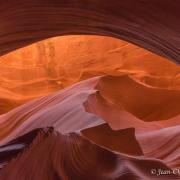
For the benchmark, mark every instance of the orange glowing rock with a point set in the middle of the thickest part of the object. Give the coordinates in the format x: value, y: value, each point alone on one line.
x: 56, y: 63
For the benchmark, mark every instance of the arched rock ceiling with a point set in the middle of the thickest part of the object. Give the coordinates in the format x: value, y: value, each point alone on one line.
x: 152, y: 24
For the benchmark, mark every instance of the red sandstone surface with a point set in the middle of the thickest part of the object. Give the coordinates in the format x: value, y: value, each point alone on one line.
x: 122, y: 99
x: 54, y: 64
x: 89, y: 107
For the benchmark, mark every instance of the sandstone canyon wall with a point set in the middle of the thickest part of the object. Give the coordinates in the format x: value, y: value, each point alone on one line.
x: 82, y: 107
x: 56, y: 63
x: 153, y: 25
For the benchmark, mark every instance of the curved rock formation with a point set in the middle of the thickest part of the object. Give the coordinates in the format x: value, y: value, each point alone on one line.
x: 102, y: 113
x: 66, y: 158
x: 153, y: 25
x: 83, y: 108
x: 54, y: 64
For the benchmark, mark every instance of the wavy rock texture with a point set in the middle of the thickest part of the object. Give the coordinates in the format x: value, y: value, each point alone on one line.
x: 83, y: 108
x: 54, y: 64
x: 153, y: 24
x: 92, y: 107
x: 66, y: 158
